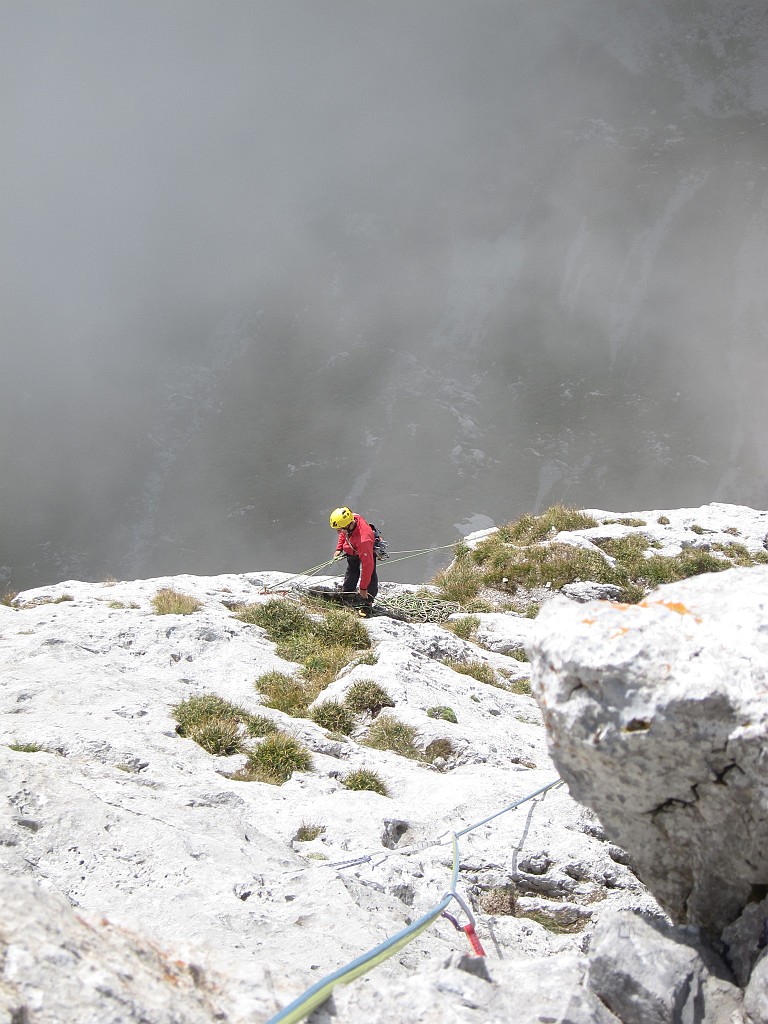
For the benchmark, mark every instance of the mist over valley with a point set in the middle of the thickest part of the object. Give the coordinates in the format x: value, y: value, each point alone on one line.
x: 444, y: 262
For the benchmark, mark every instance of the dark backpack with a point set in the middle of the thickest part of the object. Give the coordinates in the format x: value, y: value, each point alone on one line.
x: 379, y: 544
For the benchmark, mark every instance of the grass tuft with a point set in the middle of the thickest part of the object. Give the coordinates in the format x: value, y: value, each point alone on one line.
x: 216, y: 725
x: 365, y: 779
x: 275, y: 760
x: 219, y: 736
x: 519, y: 654
x: 529, y: 528
x: 519, y: 686
x: 367, y: 695
x: 460, y: 581
x: 171, y: 602
x: 285, y: 693
x: 479, y: 670
x: 465, y: 627
x: 389, y: 733
x: 334, y: 716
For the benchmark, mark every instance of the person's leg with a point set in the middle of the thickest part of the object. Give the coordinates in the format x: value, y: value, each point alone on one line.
x: 351, y: 578
x: 373, y: 586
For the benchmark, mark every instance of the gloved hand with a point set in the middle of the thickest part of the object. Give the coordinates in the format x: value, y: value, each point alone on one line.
x: 364, y: 593
x: 337, y: 555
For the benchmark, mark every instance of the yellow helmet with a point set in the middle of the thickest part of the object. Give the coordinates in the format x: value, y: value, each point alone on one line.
x: 341, y: 518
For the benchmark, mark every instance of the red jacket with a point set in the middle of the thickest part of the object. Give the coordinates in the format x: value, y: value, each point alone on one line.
x: 359, y: 542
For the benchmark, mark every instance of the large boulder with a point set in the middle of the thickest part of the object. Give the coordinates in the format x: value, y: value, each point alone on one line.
x: 657, y: 719
x: 650, y: 972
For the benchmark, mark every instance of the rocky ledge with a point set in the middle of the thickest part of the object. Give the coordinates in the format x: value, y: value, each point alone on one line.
x: 146, y: 878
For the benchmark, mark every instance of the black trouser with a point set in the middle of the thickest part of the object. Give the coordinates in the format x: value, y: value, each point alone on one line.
x: 352, y: 576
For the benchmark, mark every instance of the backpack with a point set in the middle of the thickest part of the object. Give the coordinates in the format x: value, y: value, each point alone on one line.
x: 379, y: 544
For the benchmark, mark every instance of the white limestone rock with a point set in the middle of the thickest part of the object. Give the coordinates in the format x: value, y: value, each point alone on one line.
x: 58, y: 966
x: 127, y: 820
x: 657, y: 719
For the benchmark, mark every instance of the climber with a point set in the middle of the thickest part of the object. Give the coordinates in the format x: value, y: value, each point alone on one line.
x: 356, y: 541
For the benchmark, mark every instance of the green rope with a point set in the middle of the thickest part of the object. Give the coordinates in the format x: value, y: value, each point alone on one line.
x: 418, y: 608
x: 307, y: 572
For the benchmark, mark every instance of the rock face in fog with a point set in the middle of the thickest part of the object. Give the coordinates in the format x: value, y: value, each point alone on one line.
x: 657, y: 717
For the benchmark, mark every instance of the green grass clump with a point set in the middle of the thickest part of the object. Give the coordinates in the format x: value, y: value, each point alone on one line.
x: 340, y: 628
x: 443, y: 713
x: 660, y: 569
x: 465, y: 627
x: 285, y: 693
x: 194, y: 711
x: 334, y: 716
x: 275, y: 759
x: 171, y: 602
x: 740, y: 555
x: 219, y: 736
x: 259, y: 725
x: 529, y: 528
x: 460, y: 581
x: 389, y: 733
x: 365, y: 779
x: 8, y: 597
x: 479, y: 670
x: 322, y: 666
x: 323, y: 646
x: 26, y: 748
x: 367, y: 695
x: 508, y: 567
x: 216, y: 725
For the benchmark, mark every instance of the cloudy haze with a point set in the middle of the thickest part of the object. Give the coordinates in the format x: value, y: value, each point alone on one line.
x: 442, y: 260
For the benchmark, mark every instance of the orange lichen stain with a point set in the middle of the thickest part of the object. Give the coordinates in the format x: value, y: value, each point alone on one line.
x: 674, y: 606
x: 620, y: 606
x: 588, y: 622
x: 619, y: 632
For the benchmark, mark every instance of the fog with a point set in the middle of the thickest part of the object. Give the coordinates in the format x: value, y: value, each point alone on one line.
x: 446, y: 261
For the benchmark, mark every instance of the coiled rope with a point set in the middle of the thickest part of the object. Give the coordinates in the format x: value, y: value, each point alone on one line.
x: 321, y: 990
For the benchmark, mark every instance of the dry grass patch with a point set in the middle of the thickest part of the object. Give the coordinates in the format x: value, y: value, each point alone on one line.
x: 479, y: 670
x: 171, y: 602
